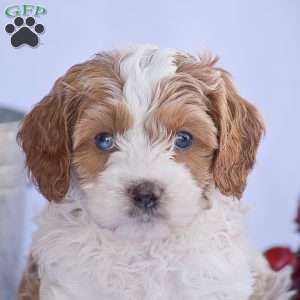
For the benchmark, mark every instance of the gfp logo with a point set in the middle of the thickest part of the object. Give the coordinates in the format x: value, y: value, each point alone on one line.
x: 24, y: 29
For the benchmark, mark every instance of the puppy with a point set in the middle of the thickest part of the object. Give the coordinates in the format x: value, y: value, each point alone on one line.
x: 144, y: 154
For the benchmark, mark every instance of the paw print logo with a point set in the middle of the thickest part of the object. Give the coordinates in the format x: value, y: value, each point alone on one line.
x: 24, y: 32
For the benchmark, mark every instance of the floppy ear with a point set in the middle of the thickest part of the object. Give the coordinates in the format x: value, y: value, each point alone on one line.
x: 239, y: 125
x: 45, y: 137
x: 240, y: 129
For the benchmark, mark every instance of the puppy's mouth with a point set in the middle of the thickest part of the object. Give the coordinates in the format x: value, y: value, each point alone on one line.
x: 148, y: 215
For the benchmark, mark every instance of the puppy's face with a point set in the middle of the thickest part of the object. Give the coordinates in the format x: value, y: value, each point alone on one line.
x: 146, y: 133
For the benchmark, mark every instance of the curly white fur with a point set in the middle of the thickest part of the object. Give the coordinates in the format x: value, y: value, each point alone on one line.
x: 210, y: 259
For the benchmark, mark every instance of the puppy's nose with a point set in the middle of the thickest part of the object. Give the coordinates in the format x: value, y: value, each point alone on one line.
x: 145, y: 194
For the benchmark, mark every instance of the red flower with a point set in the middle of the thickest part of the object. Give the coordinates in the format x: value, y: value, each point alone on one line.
x: 279, y: 257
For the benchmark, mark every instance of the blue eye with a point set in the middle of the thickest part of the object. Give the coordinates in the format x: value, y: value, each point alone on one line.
x: 183, y: 140
x: 105, y: 141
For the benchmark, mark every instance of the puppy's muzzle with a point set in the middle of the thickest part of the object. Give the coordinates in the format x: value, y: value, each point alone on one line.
x: 145, y: 194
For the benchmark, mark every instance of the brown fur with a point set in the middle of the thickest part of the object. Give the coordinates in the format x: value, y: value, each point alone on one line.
x: 239, y: 125
x: 46, y: 132
x: 111, y: 117
x: 30, y: 284
x: 181, y: 106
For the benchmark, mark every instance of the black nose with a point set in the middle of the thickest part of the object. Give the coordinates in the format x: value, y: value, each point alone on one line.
x: 145, y: 195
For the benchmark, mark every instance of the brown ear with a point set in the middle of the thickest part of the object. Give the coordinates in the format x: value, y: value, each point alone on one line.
x: 46, y: 141
x: 239, y: 125
x: 240, y: 129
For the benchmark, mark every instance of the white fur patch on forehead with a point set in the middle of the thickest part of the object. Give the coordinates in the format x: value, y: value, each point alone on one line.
x: 141, y: 69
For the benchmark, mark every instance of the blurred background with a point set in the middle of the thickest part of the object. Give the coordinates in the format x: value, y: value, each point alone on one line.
x: 257, y: 41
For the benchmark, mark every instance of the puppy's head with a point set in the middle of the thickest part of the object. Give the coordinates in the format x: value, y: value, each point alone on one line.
x: 146, y: 133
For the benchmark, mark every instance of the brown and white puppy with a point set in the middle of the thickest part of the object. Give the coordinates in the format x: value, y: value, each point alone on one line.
x: 143, y: 154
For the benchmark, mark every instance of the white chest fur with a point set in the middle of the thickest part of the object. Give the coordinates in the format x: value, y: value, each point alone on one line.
x: 208, y: 260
